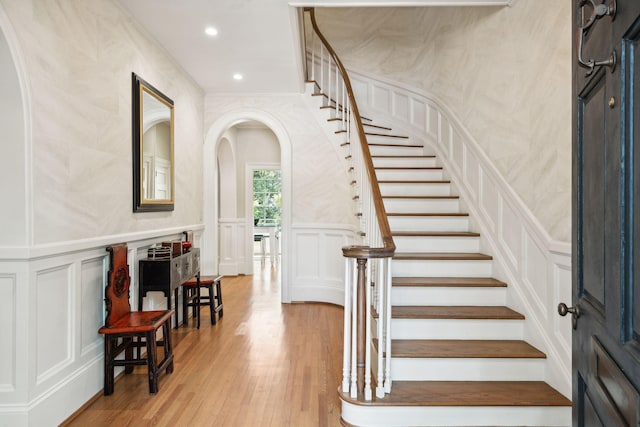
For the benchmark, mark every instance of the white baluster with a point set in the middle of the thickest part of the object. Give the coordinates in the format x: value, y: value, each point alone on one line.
x: 380, y: 307
x: 313, y: 58
x: 321, y: 67
x: 367, y: 349
x: 387, y: 327
x: 346, y: 372
x: 354, y: 332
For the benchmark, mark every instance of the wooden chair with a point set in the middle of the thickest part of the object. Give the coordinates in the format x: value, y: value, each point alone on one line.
x: 125, y: 330
x: 193, y: 297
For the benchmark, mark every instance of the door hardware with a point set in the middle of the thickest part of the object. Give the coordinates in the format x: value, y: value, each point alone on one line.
x: 575, y: 313
x: 598, y: 11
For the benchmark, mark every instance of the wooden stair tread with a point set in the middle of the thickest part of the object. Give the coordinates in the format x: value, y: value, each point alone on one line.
x: 510, y: 349
x: 435, y: 234
x: 441, y: 181
x: 386, y: 135
x: 467, y: 393
x: 404, y: 157
x: 427, y: 214
x: 477, y: 282
x: 442, y: 256
x: 376, y: 126
x: 411, y: 168
x: 421, y: 197
x: 455, y: 312
x: 374, y: 144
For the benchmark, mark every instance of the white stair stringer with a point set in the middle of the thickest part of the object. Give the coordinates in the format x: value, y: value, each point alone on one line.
x: 448, y: 416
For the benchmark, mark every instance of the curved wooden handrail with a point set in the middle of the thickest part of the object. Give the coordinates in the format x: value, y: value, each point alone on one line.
x: 389, y: 246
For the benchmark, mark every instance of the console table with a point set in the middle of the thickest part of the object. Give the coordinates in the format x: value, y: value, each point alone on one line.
x: 166, y: 275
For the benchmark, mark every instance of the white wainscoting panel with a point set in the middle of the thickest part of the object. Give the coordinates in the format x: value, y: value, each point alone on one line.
x: 537, y: 268
x: 235, y: 247
x: 92, y: 277
x: 53, y: 316
x: 318, y: 272
x: 51, y: 306
x: 7, y: 332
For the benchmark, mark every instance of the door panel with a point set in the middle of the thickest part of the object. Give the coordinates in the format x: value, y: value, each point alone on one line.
x: 606, y: 235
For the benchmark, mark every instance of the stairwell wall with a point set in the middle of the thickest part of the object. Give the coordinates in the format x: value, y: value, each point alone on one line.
x: 505, y: 72
x: 536, y: 267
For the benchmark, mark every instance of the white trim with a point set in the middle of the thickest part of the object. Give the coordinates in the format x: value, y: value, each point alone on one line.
x: 210, y: 237
x: 23, y: 77
x: 402, y: 3
x: 52, y: 249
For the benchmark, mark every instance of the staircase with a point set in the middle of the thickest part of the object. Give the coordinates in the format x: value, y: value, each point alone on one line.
x: 458, y: 358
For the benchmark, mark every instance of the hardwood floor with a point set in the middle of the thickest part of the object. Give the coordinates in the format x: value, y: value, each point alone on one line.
x: 264, y: 364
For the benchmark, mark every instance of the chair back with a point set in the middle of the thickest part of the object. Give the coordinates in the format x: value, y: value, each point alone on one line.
x: 116, y: 293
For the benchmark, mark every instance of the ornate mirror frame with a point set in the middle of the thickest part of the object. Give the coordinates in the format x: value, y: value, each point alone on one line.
x: 153, y: 175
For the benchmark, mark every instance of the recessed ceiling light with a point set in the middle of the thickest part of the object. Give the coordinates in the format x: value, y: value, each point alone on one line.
x: 237, y: 76
x: 210, y: 31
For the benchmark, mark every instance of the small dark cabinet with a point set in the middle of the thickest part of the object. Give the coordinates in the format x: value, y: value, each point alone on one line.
x: 166, y: 275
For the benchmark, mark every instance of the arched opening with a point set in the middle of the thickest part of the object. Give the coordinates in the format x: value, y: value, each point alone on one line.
x: 219, y: 149
x: 14, y: 151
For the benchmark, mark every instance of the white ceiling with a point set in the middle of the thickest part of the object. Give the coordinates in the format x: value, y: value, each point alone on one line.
x: 257, y: 38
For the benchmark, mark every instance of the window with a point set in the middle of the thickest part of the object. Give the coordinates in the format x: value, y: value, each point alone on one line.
x: 267, y: 197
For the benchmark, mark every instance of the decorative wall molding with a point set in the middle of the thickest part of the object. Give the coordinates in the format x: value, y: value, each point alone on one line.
x: 537, y: 268
x: 51, y: 306
x: 318, y: 266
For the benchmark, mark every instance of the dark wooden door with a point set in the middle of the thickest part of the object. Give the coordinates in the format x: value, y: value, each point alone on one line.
x: 606, y: 214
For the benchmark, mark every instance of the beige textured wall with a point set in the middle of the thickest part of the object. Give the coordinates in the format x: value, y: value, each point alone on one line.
x: 505, y: 72
x: 79, y: 55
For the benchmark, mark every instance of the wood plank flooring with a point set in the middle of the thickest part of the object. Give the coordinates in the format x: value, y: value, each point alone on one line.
x: 263, y: 364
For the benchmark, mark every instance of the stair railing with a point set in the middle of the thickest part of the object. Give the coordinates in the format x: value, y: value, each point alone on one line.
x: 367, y: 266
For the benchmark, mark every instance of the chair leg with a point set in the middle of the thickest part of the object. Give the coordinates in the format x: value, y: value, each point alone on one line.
x: 211, y: 301
x: 151, y: 362
x: 219, y: 298
x: 108, y: 366
x: 128, y: 354
x: 168, y: 347
x: 196, y: 306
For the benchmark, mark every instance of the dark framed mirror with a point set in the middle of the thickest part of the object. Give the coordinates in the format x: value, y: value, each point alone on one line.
x: 153, y: 162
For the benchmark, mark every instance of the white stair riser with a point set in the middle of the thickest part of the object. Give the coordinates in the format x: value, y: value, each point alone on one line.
x: 456, y: 329
x: 377, y: 139
x: 405, y: 162
x: 409, y: 174
x: 472, y: 369
x: 429, y: 223
x: 426, y: 416
x: 422, y: 205
x: 415, y: 189
x: 440, y: 268
x: 436, y: 244
x: 432, y: 295
x: 377, y: 150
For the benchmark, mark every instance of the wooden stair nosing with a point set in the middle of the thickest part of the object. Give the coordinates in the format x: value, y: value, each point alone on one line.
x: 441, y: 181
x: 423, y: 197
x: 404, y: 157
x: 463, y: 349
x: 453, y: 282
x: 375, y: 144
x: 427, y: 214
x: 411, y: 168
x: 435, y: 234
x: 441, y: 256
x: 386, y: 135
x: 467, y: 393
x: 376, y: 126
x: 460, y: 312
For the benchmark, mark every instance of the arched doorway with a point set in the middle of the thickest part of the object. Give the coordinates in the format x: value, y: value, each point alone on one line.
x: 210, y: 239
